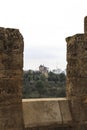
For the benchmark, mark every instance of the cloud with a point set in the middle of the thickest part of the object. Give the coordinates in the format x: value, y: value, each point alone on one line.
x: 44, y: 25
x: 50, y: 57
x: 44, y: 52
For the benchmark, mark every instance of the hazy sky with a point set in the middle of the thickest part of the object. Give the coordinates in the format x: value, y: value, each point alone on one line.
x: 44, y: 24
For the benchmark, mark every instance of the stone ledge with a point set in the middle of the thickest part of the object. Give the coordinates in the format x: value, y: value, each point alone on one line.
x: 46, y: 112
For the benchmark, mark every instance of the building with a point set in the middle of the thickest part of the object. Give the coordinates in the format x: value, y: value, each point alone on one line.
x: 44, y: 70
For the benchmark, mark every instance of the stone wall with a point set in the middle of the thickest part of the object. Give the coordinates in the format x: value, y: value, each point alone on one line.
x: 11, y: 64
x: 51, y: 128
x: 47, y: 114
x: 77, y: 78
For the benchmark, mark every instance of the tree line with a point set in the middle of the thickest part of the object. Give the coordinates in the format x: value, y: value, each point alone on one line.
x: 37, y: 85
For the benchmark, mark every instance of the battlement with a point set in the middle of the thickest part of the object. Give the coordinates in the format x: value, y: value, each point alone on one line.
x: 68, y: 113
x: 85, y: 24
x: 47, y: 113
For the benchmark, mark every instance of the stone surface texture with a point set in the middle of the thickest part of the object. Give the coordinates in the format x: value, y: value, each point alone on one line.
x: 11, y: 64
x: 77, y: 77
x: 46, y: 113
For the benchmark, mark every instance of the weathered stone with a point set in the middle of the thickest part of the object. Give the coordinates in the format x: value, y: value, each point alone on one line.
x: 76, y: 87
x: 78, y: 111
x: 16, y: 73
x: 46, y: 112
x: 11, y: 64
x: 65, y: 111
x: 85, y: 24
x: 77, y: 77
x: 11, y: 117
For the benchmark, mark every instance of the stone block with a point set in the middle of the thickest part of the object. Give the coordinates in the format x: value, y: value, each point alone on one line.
x: 77, y: 78
x: 48, y: 112
x: 11, y: 61
x: 11, y: 64
x: 18, y: 73
x: 41, y: 113
x: 76, y: 87
x: 10, y: 85
x: 78, y: 110
x: 65, y: 111
x: 9, y: 117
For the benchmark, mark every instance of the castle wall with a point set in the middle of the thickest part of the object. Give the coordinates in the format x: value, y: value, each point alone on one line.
x: 11, y: 64
x: 76, y: 88
x: 47, y: 114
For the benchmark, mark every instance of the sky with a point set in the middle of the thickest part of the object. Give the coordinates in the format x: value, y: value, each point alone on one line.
x: 44, y: 25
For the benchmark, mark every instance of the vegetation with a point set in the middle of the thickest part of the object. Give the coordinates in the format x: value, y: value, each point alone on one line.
x: 36, y: 85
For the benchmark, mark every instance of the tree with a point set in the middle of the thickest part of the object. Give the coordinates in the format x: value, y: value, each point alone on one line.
x: 40, y: 87
x: 52, y: 77
x: 62, y: 77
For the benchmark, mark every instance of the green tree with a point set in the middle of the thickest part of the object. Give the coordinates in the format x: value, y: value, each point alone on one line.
x: 62, y: 77
x: 40, y: 87
x: 52, y: 77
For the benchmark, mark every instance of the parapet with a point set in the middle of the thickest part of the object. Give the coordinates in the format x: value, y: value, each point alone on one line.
x: 40, y: 113
x: 76, y: 88
x: 11, y: 73
x: 85, y: 24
